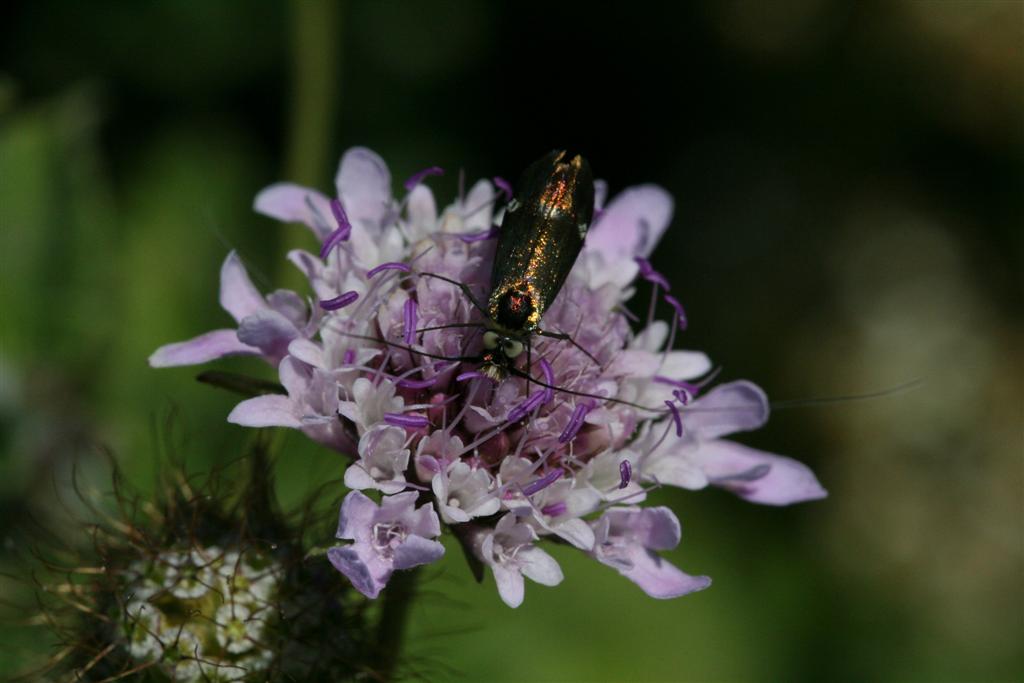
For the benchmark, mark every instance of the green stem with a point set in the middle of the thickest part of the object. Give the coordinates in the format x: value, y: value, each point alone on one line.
x: 398, y: 598
x: 316, y: 59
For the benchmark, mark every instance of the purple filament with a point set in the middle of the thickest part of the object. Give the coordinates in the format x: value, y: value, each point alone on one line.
x: 625, y: 473
x: 400, y: 420
x: 468, y: 376
x: 680, y: 313
x: 648, y: 273
x: 409, y: 383
x: 390, y: 265
x: 341, y: 234
x: 575, y: 424
x: 504, y: 186
x: 554, y: 509
x: 417, y: 178
x: 549, y: 379
x: 471, y: 237
x: 520, y: 411
x: 676, y: 417
x: 339, y: 301
x: 410, y: 321
x: 542, y: 483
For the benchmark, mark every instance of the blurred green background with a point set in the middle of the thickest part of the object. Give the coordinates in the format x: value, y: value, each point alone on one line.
x: 848, y: 179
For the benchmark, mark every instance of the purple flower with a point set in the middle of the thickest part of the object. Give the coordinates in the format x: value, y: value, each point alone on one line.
x: 265, y: 325
x: 509, y: 550
x: 380, y: 361
x: 626, y: 538
x: 394, y: 535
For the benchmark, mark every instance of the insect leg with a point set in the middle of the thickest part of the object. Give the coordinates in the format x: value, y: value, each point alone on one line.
x: 565, y: 337
x: 461, y: 285
x: 445, y: 327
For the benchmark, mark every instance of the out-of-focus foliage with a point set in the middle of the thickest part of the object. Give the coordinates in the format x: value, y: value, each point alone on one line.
x: 848, y: 180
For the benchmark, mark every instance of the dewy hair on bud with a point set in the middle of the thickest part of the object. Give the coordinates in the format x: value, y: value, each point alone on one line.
x: 551, y: 416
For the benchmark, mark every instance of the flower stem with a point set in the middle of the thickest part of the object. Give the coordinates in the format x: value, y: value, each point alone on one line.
x: 398, y: 599
x: 316, y: 35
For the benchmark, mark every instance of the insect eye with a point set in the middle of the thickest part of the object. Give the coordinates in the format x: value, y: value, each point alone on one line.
x: 490, y: 340
x: 512, y: 347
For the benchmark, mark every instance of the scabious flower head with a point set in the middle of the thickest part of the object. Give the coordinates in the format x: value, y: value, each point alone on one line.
x: 209, y: 584
x: 381, y: 364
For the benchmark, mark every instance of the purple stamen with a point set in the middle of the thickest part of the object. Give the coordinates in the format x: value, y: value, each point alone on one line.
x: 471, y: 237
x: 625, y: 473
x: 542, y: 483
x: 682, y: 396
x: 575, y: 424
x: 410, y: 383
x: 417, y: 178
x: 390, y: 265
x: 468, y: 376
x: 400, y: 420
x: 341, y: 234
x: 676, y: 417
x: 554, y: 509
x: 648, y: 273
x: 410, y: 321
x: 680, y: 313
x: 549, y: 379
x: 504, y: 186
x: 520, y: 411
x: 339, y: 301
x: 349, y: 357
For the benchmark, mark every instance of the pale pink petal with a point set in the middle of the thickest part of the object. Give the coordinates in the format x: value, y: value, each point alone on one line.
x: 510, y: 584
x: 685, y: 365
x: 347, y: 561
x: 576, y: 532
x: 674, y: 470
x: 357, y: 514
x: 728, y: 408
x: 658, y: 528
x: 269, y: 331
x: 540, y: 567
x: 416, y: 550
x: 422, y: 207
x: 294, y: 376
x: 364, y: 185
x: 631, y: 224
x: 296, y: 204
x: 635, y: 363
x: 309, y: 352
x: 309, y: 265
x: 201, y: 349
x: 357, y: 478
x: 758, y: 476
x: 478, y: 201
x: 265, y: 411
x: 659, y: 578
x: 238, y: 295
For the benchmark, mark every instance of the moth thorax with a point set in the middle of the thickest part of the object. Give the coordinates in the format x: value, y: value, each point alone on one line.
x: 515, y: 309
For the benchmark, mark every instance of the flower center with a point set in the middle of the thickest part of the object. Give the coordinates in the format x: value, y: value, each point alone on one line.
x: 387, y: 537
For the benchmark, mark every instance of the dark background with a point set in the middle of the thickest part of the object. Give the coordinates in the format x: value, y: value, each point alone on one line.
x: 848, y: 184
